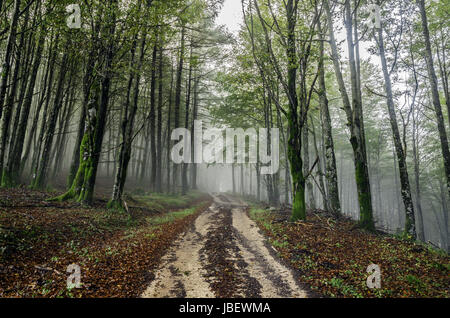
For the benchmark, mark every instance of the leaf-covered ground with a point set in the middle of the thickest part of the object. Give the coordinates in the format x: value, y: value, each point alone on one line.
x: 115, y: 251
x: 332, y: 255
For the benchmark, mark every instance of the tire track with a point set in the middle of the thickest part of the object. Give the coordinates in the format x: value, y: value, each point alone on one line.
x: 223, y: 254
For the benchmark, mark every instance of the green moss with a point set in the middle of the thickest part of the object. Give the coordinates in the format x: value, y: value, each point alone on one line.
x: 298, y: 182
x: 299, y: 205
x: 364, y: 198
x: 116, y: 205
x: 80, y: 190
x: 9, y: 180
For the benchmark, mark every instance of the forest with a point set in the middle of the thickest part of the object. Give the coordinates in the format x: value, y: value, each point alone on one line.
x: 350, y: 99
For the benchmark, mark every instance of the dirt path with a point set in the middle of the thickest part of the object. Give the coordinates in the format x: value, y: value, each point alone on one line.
x: 223, y: 254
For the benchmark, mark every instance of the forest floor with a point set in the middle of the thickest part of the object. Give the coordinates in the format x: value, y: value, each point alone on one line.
x: 190, y: 246
x: 332, y: 256
x: 116, y: 251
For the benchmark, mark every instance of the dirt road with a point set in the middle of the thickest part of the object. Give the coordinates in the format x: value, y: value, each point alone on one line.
x: 223, y: 254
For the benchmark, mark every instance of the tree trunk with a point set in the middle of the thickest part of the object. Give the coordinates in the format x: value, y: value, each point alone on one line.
x: 12, y: 172
x: 194, y: 118
x: 84, y: 182
x: 152, y: 120
x: 319, y: 168
x: 294, y: 140
x: 6, y: 67
x: 178, y: 99
x: 233, y: 178
x: 8, y: 108
x: 38, y: 148
x: 169, y: 117
x: 186, y: 125
x: 354, y: 119
x: 420, y: 221
x: 330, y: 157
x: 64, y: 126
x: 444, y: 74
x: 435, y: 93
x: 410, y: 226
x: 126, y: 129
x: 306, y: 166
x: 159, y: 123
x: 41, y: 173
x: 42, y: 98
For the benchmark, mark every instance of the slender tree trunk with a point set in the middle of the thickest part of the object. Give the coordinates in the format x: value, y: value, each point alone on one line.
x: 24, y: 78
x: 38, y: 148
x: 242, y: 180
x: 12, y: 174
x: 62, y: 137
x: 159, y: 123
x: 169, y: 117
x: 250, y: 181
x: 87, y: 82
x: 178, y: 99
x: 420, y: 222
x: 186, y: 125
x: 294, y: 141
x: 330, y: 157
x: 306, y: 166
x: 444, y: 199
x: 444, y: 74
x: 6, y: 67
x: 48, y: 76
x: 435, y: 93
x: 258, y: 181
x: 90, y: 150
x: 233, y: 178
x: 194, y: 118
x: 8, y: 109
x: 319, y: 168
x: 152, y: 119
x: 410, y: 226
x: 41, y: 173
x: 126, y: 131
x: 354, y: 118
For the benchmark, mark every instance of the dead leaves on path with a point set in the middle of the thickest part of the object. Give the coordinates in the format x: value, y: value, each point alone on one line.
x: 226, y: 269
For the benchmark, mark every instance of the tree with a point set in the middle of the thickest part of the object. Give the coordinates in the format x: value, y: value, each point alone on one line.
x: 354, y: 116
x: 330, y: 157
x: 434, y: 92
x: 410, y: 226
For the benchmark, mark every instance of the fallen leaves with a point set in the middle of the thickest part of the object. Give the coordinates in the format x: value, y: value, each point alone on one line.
x: 225, y: 266
x: 116, y: 251
x: 332, y: 255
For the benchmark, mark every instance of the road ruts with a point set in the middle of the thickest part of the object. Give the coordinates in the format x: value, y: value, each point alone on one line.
x: 223, y: 254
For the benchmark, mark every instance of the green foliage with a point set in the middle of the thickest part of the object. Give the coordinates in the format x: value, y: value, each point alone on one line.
x: 159, y: 201
x: 170, y: 217
x: 346, y: 290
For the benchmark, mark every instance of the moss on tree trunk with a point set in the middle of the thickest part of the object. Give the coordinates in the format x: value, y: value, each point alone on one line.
x: 298, y: 179
x: 364, y: 197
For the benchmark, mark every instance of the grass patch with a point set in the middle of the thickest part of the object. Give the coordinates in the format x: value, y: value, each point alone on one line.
x: 162, y: 201
x: 170, y: 217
